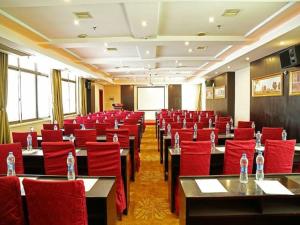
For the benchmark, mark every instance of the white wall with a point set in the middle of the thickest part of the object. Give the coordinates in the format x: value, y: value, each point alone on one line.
x: 242, y: 95
x: 190, y: 96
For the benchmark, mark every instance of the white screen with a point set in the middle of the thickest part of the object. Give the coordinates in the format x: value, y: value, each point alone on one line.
x: 151, y: 98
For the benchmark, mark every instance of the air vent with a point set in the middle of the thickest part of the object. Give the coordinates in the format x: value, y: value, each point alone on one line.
x: 83, y: 15
x: 82, y: 35
x: 201, y: 34
x: 201, y: 48
x: 111, y: 49
x: 231, y: 12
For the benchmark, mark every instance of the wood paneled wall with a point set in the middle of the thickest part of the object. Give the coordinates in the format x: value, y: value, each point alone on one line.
x: 277, y: 111
x: 224, y: 106
x: 127, y: 97
x: 174, y: 96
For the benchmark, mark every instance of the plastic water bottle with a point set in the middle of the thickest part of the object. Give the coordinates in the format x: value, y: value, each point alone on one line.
x: 115, y: 138
x: 55, y: 122
x: 210, y: 123
x: 199, y: 118
x: 212, y: 140
x: 284, y: 135
x: 176, y: 141
x: 227, y: 128
x: 253, y: 125
x: 258, y: 139
x: 11, y: 164
x: 74, y: 121
x: 70, y: 164
x: 55, y: 127
x: 72, y: 138
x: 206, y: 115
x: 184, y: 123
x: 82, y: 127
x: 160, y: 116
x: 244, y: 169
x: 190, y: 115
x: 259, y: 166
x: 116, y: 124
x: 231, y: 123
x: 178, y: 119
x: 169, y: 129
x: 195, y: 130
x: 97, y: 121
x: 216, y: 118
x: 29, y: 142
x: 88, y: 118
x: 163, y: 124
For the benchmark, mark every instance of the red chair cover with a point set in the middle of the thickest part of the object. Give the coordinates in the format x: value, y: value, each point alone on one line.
x: 83, y: 136
x: 123, y: 136
x: 11, y: 212
x: 243, y: 134
x: 233, y: 154
x: 49, y: 126
x: 69, y: 128
x: 224, y: 118
x: 55, y: 157
x: 184, y: 135
x: 21, y: 137
x: 245, y: 124
x: 174, y: 125
x: 279, y: 156
x: 131, y: 121
x: 204, y: 135
x: 104, y: 160
x: 90, y: 125
x: 68, y: 121
x: 101, y: 128
x: 16, y: 149
x: 204, y: 121
x: 221, y: 125
x: 56, y: 202
x: 271, y: 133
x: 52, y: 135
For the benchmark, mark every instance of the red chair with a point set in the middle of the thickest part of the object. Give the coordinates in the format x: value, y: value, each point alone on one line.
x: 70, y: 127
x: 55, y: 157
x: 123, y: 136
x: 279, y: 156
x: 271, y: 133
x: 55, y: 202
x: 233, y: 154
x: 205, y: 122
x: 50, y: 126
x: 83, y: 136
x: 245, y: 124
x: 131, y: 121
x: 68, y: 121
x: 90, y: 125
x: 104, y: 160
x: 243, y: 134
x: 221, y: 126
x: 21, y: 137
x: 204, y: 135
x: 16, y: 149
x: 224, y: 119
x: 174, y: 125
x: 52, y: 135
x: 184, y: 135
x: 101, y: 128
x: 11, y: 212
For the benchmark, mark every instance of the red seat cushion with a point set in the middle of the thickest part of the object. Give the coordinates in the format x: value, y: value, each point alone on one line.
x: 16, y: 149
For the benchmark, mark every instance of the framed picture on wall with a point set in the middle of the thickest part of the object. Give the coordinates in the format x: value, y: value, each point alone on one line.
x: 294, y: 83
x: 209, y: 93
x: 271, y: 85
x: 219, y: 92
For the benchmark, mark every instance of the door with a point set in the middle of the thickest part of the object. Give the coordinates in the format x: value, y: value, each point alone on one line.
x: 100, y: 100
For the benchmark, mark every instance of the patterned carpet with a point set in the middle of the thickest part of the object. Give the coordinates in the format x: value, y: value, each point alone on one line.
x: 149, y: 193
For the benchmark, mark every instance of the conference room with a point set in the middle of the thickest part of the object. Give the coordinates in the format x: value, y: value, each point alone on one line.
x: 139, y: 112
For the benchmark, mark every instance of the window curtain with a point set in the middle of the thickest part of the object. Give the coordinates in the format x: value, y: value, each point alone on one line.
x: 200, y: 98
x: 83, y: 107
x: 4, y: 125
x: 58, y: 112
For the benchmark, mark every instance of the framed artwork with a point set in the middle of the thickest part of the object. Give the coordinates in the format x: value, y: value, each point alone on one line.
x: 219, y: 92
x: 294, y: 83
x: 267, y: 86
x: 209, y: 93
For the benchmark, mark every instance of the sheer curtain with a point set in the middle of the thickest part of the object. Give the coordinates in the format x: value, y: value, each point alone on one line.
x: 200, y: 98
x: 58, y: 112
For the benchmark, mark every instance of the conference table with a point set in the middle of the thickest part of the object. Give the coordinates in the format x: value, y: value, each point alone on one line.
x: 216, y: 167
x: 224, y: 200
x: 34, y: 164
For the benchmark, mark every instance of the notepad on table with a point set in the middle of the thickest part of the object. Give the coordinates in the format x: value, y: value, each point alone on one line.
x: 210, y: 186
x: 88, y: 183
x: 273, y: 187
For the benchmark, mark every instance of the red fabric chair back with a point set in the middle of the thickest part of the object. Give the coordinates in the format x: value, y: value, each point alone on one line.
x: 233, y: 154
x: 184, y: 135
x: 221, y: 126
x: 131, y: 121
x: 204, y: 135
x: 68, y: 121
x: 123, y: 136
x: 83, y: 136
x: 101, y: 128
x: 11, y: 212
x: 55, y: 202
x: 21, y: 137
x: 204, y: 121
x: 55, y: 157
x: 271, y: 133
x: 243, y: 134
x: 174, y: 125
x: 69, y: 128
x: 224, y: 119
x: 16, y: 149
x: 279, y: 156
x: 52, y: 135
x: 245, y: 124
x: 50, y: 126
x: 104, y: 160
x: 90, y: 125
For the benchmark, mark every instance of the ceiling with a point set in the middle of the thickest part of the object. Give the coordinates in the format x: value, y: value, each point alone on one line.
x: 132, y: 40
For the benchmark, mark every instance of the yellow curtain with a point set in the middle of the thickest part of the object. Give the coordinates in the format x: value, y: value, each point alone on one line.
x: 200, y: 98
x: 58, y: 112
x: 83, y: 106
x: 4, y: 125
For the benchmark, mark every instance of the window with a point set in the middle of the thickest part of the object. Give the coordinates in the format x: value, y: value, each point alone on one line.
x: 28, y: 96
x: 44, y: 97
x: 13, y: 95
x: 69, y: 96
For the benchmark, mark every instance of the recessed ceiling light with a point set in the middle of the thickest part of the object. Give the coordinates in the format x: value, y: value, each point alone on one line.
x: 105, y: 44
x: 211, y: 19
x: 190, y: 50
x: 147, y: 52
x: 67, y: 0
x: 216, y: 72
x: 186, y: 43
x: 180, y: 64
x: 282, y: 43
x: 247, y: 58
x: 176, y: 61
x: 144, y: 23
x: 149, y: 65
x: 202, y: 48
x: 76, y: 22
x: 228, y: 67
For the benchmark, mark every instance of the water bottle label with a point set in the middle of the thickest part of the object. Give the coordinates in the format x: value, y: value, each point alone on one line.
x: 70, y: 168
x: 243, y: 169
x: 260, y: 167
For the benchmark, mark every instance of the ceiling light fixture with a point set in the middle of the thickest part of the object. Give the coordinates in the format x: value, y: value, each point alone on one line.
x: 228, y: 67
x: 105, y: 44
x: 211, y: 19
x: 176, y: 61
x: 201, y: 34
x: 186, y: 43
x: 247, y: 58
x: 144, y: 23
x: 76, y: 22
x: 190, y: 50
x: 216, y: 72
x: 180, y: 64
x: 147, y: 52
x: 282, y: 43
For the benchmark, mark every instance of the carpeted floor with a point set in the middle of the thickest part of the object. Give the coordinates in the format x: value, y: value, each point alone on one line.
x: 149, y: 192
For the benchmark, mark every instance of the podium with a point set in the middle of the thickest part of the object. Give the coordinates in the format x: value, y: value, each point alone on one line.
x: 117, y: 106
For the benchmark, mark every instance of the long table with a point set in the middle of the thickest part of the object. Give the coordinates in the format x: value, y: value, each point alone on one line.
x: 245, y: 204
x: 216, y: 168
x: 34, y: 164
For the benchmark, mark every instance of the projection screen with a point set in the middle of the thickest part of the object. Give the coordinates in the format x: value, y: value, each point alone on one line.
x: 151, y: 98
